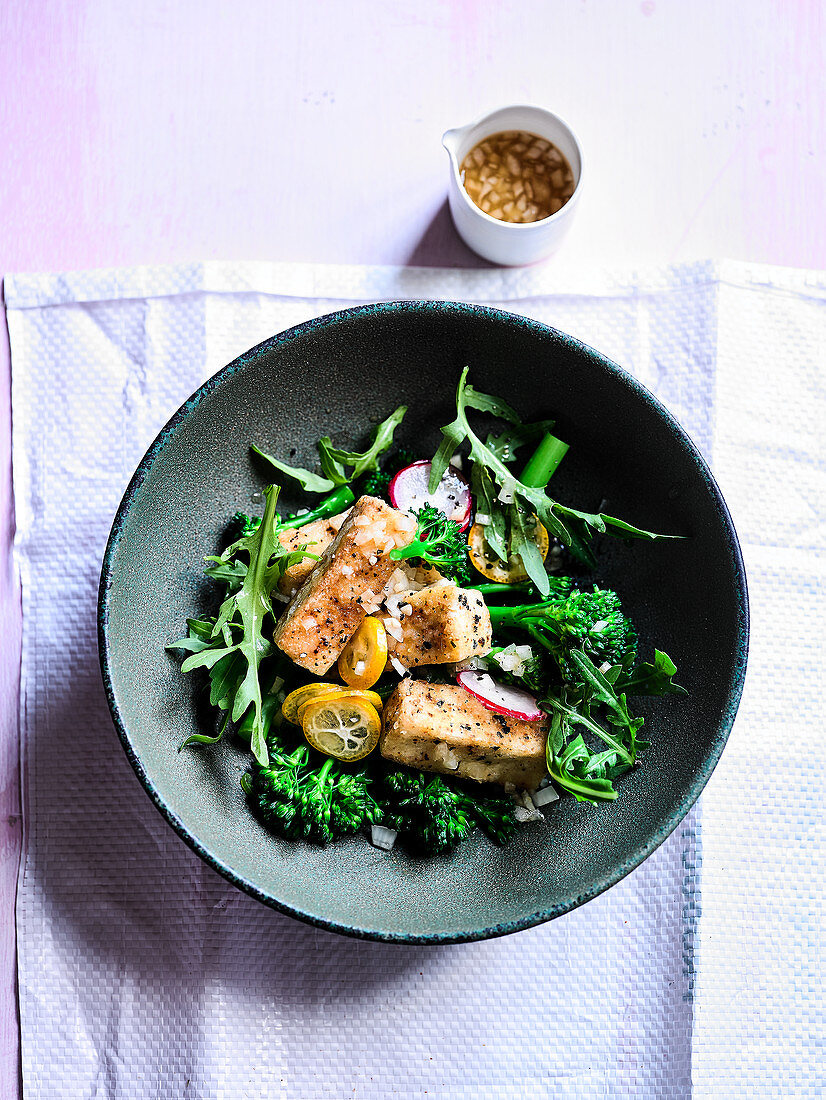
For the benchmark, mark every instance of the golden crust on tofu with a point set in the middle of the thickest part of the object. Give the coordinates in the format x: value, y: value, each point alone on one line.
x: 445, y: 624
x: 316, y: 537
x: 343, y: 586
x: 443, y: 728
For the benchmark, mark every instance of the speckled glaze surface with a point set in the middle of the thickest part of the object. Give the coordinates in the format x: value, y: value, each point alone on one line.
x: 336, y: 375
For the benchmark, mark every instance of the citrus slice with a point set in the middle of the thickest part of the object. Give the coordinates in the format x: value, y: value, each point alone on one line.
x: 296, y: 699
x: 486, y: 561
x: 371, y: 697
x: 363, y: 659
x: 342, y: 727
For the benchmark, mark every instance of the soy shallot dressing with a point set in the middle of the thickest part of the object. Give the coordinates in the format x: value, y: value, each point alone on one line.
x: 517, y: 176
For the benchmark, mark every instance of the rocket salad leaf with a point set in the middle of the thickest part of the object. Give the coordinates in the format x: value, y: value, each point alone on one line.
x: 572, y: 527
x: 651, y: 679
x: 236, y: 645
x: 573, y: 765
x: 313, y: 483
x: 335, y: 461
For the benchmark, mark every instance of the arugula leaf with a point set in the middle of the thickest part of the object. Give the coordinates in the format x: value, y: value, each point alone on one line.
x: 361, y: 461
x: 651, y: 679
x: 582, y: 718
x: 331, y: 466
x: 224, y: 679
x: 204, y: 738
x: 506, y: 444
x: 486, y: 402
x: 200, y: 628
x: 573, y: 765
x: 232, y: 646
x: 570, y: 526
x: 306, y: 478
x: 566, y: 770
x: 556, y: 736
x: 605, y: 692
x: 608, y: 525
x: 197, y: 639
x: 230, y: 573
x: 334, y: 461
x: 600, y: 763
x: 240, y: 626
x: 483, y: 492
x: 453, y: 436
x: 522, y: 543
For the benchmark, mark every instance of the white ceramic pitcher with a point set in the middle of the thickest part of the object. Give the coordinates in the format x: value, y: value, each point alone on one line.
x: 501, y: 242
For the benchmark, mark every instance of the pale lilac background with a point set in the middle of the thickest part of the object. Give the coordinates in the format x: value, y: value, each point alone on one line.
x: 147, y: 132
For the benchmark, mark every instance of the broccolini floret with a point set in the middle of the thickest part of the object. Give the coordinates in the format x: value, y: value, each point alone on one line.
x: 375, y: 484
x: 438, y: 542
x: 302, y: 802
x: 589, y: 621
x: 432, y: 815
x: 241, y: 526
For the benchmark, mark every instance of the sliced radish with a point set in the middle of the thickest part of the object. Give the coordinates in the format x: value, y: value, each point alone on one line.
x: 502, y: 698
x: 409, y: 492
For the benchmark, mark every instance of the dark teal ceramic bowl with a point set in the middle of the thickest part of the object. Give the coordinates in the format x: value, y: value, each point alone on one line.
x: 334, y: 375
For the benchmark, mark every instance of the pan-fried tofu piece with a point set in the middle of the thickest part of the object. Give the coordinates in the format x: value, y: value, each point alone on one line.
x: 316, y: 537
x: 425, y: 575
x: 444, y: 624
x: 443, y: 728
x: 344, y: 586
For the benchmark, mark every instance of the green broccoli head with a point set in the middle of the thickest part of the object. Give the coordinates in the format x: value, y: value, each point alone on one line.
x: 433, y: 814
x: 241, y: 526
x: 425, y: 811
x: 353, y: 805
x: 299, y: 800
x: 589, y: 621
x: 274, y: 792
x: 594, y: 622
x: 438, y: 542
x: 495, y: 815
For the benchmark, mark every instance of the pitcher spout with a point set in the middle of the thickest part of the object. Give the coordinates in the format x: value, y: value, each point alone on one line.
x: 451, y: 140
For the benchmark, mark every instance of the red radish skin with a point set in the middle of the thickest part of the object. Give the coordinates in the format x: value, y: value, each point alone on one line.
x: 408, y: 492
x: 501, y: 698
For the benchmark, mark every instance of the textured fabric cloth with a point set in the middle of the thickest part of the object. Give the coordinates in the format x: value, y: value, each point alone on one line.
x: 143, y: 974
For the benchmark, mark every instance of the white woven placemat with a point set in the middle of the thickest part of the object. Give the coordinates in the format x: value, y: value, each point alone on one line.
x: 143, y: 974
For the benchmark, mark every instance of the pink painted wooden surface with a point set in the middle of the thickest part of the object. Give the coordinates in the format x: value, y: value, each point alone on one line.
x: 149, y: 132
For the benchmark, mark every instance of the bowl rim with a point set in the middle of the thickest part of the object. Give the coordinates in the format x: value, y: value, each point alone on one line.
x: 529, y: 920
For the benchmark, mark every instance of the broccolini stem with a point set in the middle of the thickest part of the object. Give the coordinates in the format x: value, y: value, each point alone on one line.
x: 501, y: 616
x: 496, y: 589
x: 414, y: 549
x: 325, y: 771
x: 543, y: 462
x: 337, y: 501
